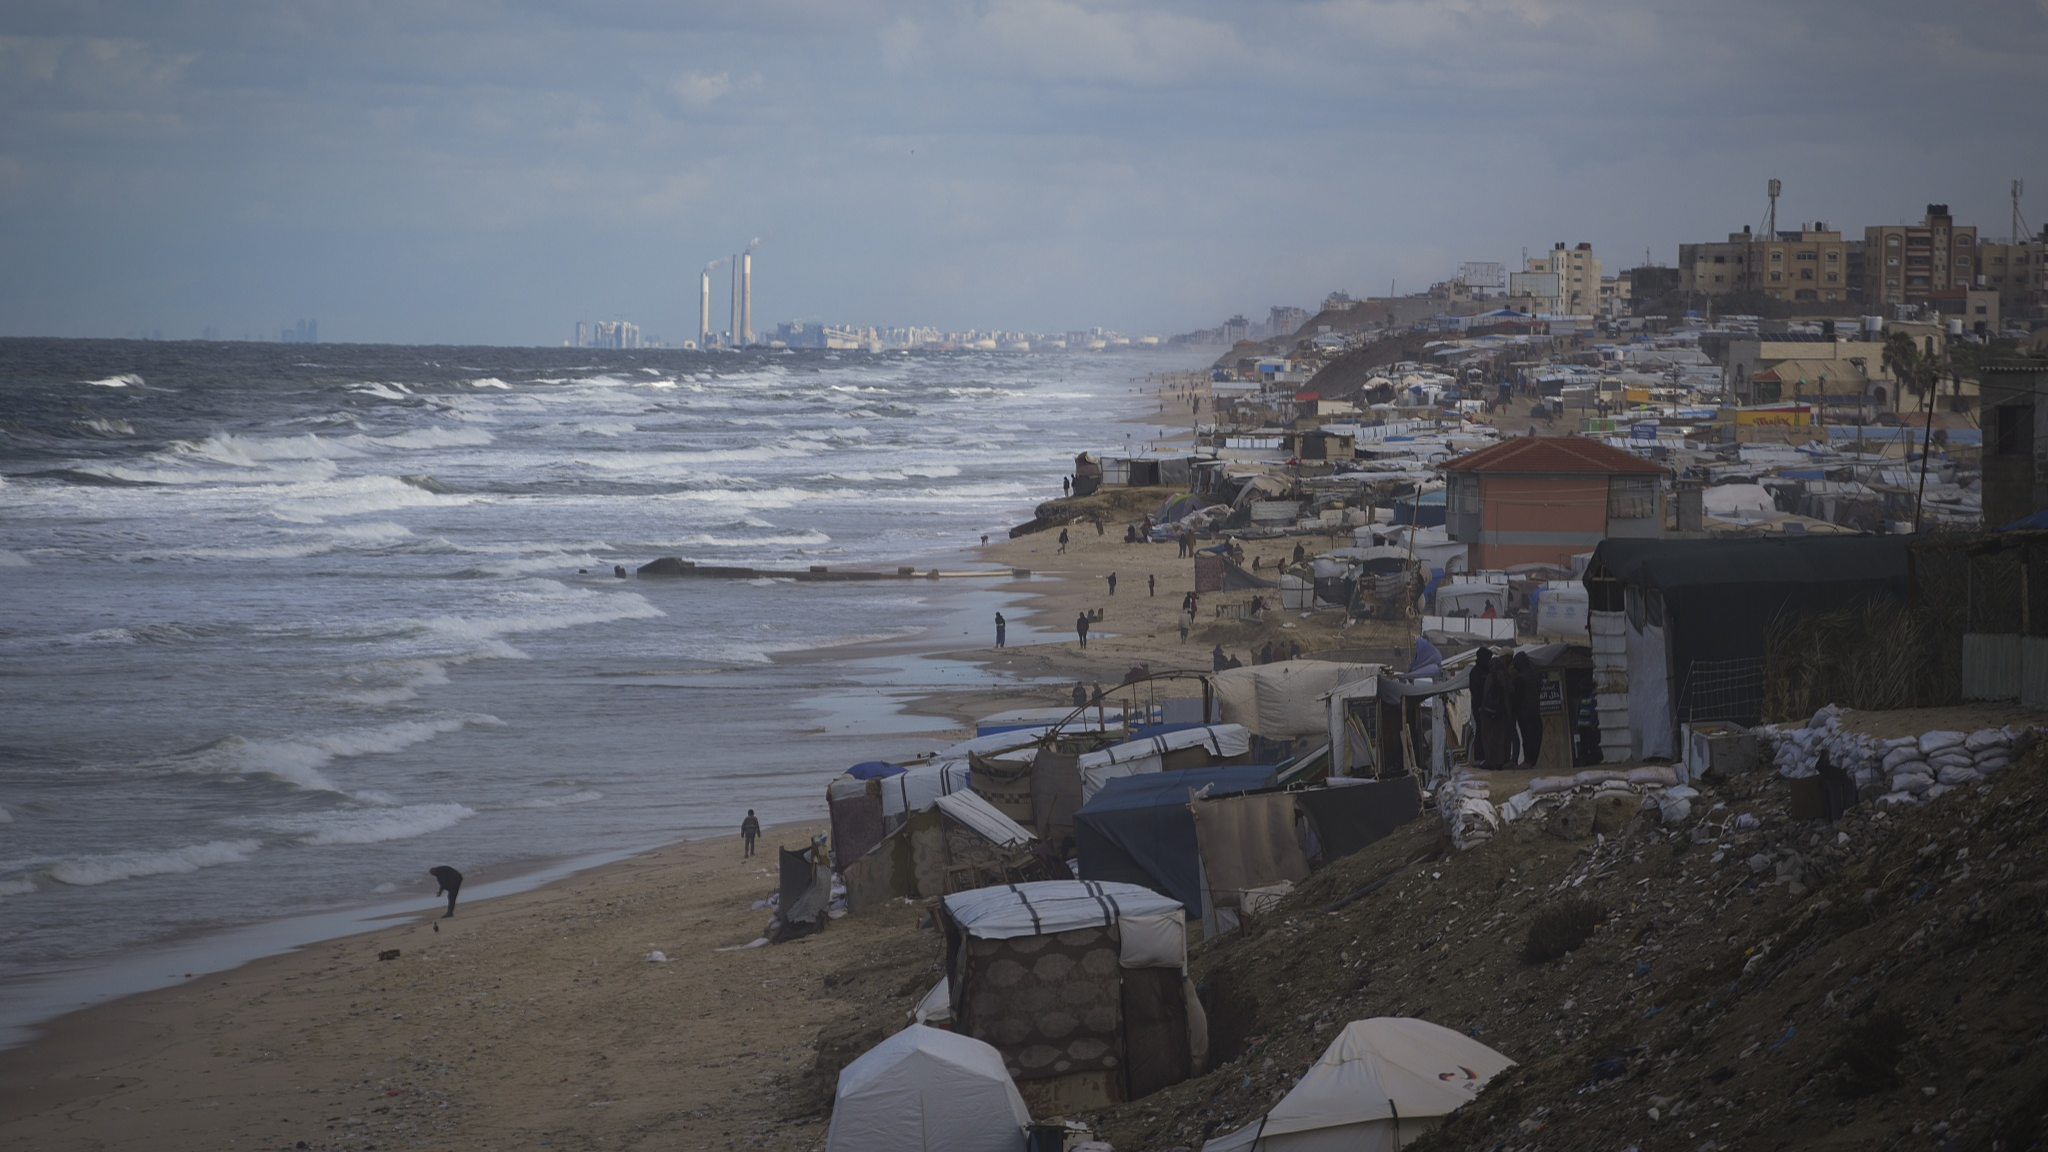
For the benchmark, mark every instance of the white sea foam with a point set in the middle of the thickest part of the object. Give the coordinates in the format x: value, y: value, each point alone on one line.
x: 299, y: 759
x: 433, y: 438
x: 383, y: 391
x: 713, y: 540
x: 86, y: 871
x: 354, y: 497
x: 548, y: 613
x: 489, y: 382
x: 584, y: 796
x: 375, y: 825
x: 244, y: 451
x: 124, y: 380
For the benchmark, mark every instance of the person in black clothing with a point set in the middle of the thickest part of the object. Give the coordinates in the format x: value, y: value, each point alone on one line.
x: 450, y: 881
x: 1112, y: 583
x: 1002, y: 626
x: 750, y: 831
x: 1080, y: 694
x: 1081, y: 628
x: 1528, y: 707
x: 1063, y: 539
x: 1217, y: 660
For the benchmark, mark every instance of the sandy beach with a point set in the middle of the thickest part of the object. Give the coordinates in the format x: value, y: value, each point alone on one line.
x: 537, y: 1019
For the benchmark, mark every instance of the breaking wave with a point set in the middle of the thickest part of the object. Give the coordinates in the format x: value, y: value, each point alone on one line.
x: 86, y: 871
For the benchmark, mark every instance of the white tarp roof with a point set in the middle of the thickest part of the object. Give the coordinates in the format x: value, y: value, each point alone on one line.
x: 931, y: 1090
x: 1137, y: 757
x: 1283, y: 699
x: 1045, y: 906
x: 920, y: 787
x: 1374, y: 1068
x: 982, y: 816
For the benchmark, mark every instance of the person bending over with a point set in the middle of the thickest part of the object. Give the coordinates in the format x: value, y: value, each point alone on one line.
x: 450, y: 881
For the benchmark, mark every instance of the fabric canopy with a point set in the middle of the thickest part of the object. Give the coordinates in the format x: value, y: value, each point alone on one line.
x: 1139, y: 829
x: 873, y: 770
x: 1376, y: 1074
x: 930, y: 1090
x: 1138, y: 757
x: 1283, y: 700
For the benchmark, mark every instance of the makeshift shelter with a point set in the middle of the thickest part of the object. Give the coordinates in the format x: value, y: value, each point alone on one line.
x: 804, y: 896
x: 1697, y: 613
x: 1281, y: 700
x: 1193, y: 747
x: 1380, y: 1085
x: 1348, y: 814
x: 856, y: 809
x: 961, y: 842
x: 1081, y: 987
x: 1141, y: 829
x: 927, y: 1090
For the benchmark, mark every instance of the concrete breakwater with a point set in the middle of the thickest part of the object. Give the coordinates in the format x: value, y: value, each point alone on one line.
x: 677, y: 568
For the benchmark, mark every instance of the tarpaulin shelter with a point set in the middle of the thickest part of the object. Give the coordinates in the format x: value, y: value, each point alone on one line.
x: 804, y: 894
x: 1282, y: 700
x: 1380, y: 1085
x: 1349, y: 814
x: 1080, y: 986
x: 1140, y: 829
x: 1698, y: 612
x: 927, y: 1090
x: 1192, y: 747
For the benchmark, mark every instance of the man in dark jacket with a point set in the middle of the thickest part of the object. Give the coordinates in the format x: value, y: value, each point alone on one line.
x: 750, y: 831
x: 1528, y: 694
x: 450, y: 881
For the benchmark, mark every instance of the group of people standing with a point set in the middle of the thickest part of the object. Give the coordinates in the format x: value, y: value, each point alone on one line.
x: 1507, y: 709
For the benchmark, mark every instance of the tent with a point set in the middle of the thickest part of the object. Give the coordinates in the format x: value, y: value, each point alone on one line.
x: 1192, y: 747
x: 930, y: 1090
x: 1282, y: 700
x: 1081, y: 986
x: 1380, y: 1084
x: 1140, y: 830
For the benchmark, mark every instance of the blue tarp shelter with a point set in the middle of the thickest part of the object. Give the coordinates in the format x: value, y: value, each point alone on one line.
x: 873, y: 770
x: 1138, y: 829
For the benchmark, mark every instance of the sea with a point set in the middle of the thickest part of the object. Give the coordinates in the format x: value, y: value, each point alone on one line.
x: 284, y: 625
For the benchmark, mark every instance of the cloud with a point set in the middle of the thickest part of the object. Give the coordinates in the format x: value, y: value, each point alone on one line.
x: 700, y: 89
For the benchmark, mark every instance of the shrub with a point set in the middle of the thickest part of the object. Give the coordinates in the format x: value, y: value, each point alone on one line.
x: 1560, y: 930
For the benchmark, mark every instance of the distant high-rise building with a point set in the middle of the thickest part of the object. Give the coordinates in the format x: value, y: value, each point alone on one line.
x: 582, y: 335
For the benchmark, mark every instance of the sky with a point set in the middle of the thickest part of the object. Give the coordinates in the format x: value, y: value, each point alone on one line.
x: 470, y: 171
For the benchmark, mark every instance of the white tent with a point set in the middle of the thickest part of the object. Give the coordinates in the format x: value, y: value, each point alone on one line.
x: 927, y: 1089
x: 1381, y: 1084
x: 1283, y: 699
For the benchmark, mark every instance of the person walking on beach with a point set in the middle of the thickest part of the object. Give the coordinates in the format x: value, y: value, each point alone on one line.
x: 1066, y: 486
x: 1081, y: 628
x: 1151, y: 584
x: 1001, y: 626
x: 1112, y: 583
x: 450, y: 881
x: 1063, y: 540
x: 750, y: 831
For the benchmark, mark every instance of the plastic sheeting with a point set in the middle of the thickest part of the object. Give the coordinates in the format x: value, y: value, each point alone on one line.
x: 1139, y: 757
x: 1349, y: 817
x: 918, y: 788
x: 1247, y: 842
x: 931, y: 1090
x: 1284, y: 699
x: 1140, y: 830
x: 1374, y: 1071
x: 1046, y: 906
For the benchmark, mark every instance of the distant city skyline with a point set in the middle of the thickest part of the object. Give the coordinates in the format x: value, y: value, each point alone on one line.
x: 466, y: 172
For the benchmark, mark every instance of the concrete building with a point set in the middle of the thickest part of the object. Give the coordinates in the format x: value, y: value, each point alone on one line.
x: 2018, y: 273
x: 1809, y: 265
x: 2015, y: 422
x: 1544, y: 500
x: 1915, y: 263
x: 1774, y: 366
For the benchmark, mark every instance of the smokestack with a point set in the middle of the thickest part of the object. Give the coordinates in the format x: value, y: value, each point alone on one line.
x: 734, y: 327
x: 704, y: 313
x: 747, y: 298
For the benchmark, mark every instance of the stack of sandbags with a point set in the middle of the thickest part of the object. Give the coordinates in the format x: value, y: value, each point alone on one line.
x: 1640, y: 785
x: 1920, y: 768
x: 1466, y: 805
x: 1797, y: 750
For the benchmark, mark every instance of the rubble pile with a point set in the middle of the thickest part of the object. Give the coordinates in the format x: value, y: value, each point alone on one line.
x: 1754, y: 982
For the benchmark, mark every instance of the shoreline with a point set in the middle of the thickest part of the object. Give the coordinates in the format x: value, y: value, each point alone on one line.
x: 120, y: 1064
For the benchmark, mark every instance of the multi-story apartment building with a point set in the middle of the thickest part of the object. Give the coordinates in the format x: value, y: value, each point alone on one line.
x: 1811, y: 264
x: 1915, y: 263
x: 2018, y: 273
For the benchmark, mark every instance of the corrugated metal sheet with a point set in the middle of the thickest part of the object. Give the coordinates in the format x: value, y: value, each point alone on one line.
x: 1991, y: 666
x: 2034, y: 671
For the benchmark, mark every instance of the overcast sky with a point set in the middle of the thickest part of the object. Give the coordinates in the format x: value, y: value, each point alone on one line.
x: 469, y: 171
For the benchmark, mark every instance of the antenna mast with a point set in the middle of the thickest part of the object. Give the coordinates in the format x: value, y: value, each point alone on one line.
x: 2020, y: 235
x: 1771, y: 220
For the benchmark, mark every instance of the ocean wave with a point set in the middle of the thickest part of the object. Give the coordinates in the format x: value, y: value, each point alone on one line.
x: 584, y: 796
x: 6, y: 817
x: 712, y: 540
x: 13, y: 560
x: 298, y: 760
x: 102, y: 426
x: 431, y: 438
x: 315, y: 504
x: 383, y: 391
x: 16, y: 888
x: 375, y: 825
x: 546, y: 612
x: 489, y: 382
x: 124, y: 380
x: 246, y: 451
x: 86, y: 871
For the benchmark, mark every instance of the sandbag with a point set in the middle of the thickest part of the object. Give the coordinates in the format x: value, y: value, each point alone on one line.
x: 1956, y: 777
x: 1987, y: 738
x: 1932, y: 742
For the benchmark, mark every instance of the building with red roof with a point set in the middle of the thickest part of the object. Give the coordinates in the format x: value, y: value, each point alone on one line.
x: 1545, y: 499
